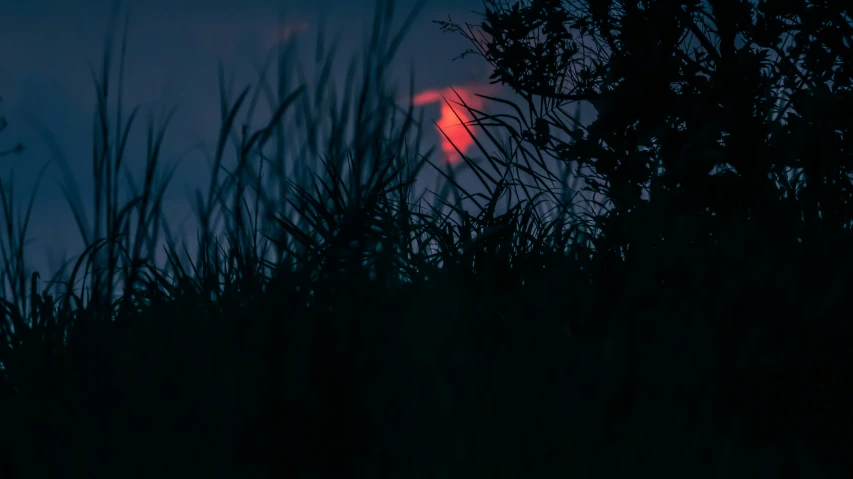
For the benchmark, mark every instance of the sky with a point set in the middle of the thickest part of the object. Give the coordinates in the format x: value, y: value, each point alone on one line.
x: 47, y: 47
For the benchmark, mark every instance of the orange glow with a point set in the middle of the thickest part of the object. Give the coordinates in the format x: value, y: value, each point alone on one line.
x: 454, y: 132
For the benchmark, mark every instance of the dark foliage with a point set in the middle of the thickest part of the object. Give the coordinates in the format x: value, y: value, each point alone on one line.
x: 693, y: 323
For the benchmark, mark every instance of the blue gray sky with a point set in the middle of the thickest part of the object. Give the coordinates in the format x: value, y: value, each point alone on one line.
x: 47, y: 47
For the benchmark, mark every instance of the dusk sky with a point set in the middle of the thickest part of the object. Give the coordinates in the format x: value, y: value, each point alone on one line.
x: 46, y: 47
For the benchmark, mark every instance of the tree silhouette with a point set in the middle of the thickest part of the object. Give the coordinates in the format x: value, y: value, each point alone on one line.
x: 753, y: 88
x: 722, y: 144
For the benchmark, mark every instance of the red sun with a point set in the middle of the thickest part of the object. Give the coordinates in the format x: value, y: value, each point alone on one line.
x: 451, y: 129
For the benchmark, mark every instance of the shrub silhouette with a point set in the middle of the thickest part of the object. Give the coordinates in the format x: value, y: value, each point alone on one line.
x: 727, y: 179
x: 690, y: 323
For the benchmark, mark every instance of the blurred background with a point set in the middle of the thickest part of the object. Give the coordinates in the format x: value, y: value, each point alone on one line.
x: 50, y: 50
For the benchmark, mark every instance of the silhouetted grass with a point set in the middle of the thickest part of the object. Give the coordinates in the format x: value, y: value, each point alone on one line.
x: 332, y: 324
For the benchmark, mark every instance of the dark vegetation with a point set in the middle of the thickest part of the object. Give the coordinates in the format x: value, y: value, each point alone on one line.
x: 688, y: 317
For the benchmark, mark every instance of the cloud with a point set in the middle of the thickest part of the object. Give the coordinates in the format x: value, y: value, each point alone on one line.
x: 283, y: 33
